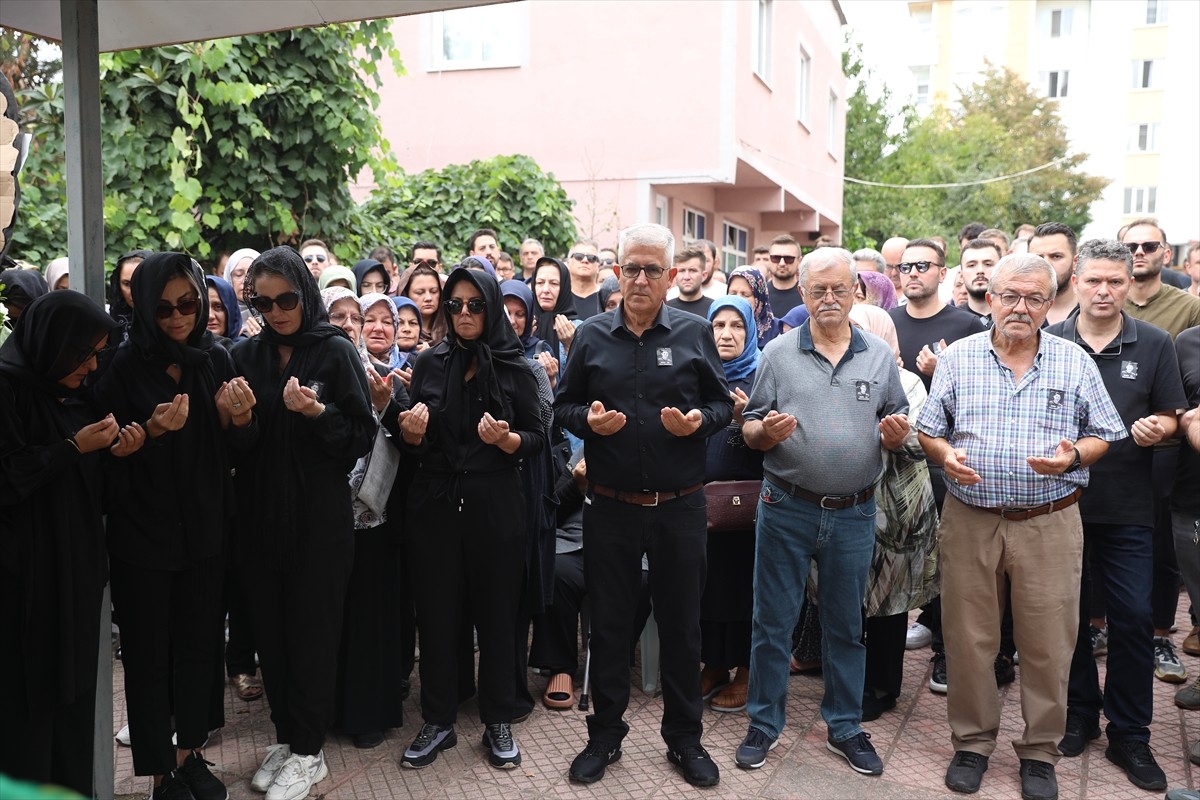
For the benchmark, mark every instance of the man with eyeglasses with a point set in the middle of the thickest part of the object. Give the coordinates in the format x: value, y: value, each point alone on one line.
x: 818, y: 501
x: 316, y: 256
x: 584, y: 265
x: 426, y: 253
x: 644, y: 388
x: 1014, y: 417
x: 1141, y: 373
x: 1055, y: 242
x: 783, y: 284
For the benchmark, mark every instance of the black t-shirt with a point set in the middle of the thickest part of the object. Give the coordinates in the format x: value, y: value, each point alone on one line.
x: 698, y: 307
x: 587, y: 306
x: 950, y: 324
x: 1141, y: 374
x: 1185, y: 499
x: 783, y: 300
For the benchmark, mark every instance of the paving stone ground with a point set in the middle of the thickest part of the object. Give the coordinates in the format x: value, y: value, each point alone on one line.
x: 913, y: 741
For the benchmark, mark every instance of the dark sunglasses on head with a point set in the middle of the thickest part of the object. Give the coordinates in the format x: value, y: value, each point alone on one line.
x: 776, y: 258
x: 475, y: 305
x: 631, y: 271
x: 185, y: 308
x: 1148, y: 248
x: 320, y: 259
x: 591, y: 258
x: 286, y: 301
x: 425, y: 262
x: 920, y: 266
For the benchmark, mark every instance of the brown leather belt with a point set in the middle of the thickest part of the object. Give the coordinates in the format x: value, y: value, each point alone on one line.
x: 645, y: 497
x: 829, y: 502
x: 1020, y: 514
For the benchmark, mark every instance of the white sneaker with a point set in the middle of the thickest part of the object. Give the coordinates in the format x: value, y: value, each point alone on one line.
x: 918, y: 636
x: 295, y: 780
x: 276, y: 755
x: 122, y: 736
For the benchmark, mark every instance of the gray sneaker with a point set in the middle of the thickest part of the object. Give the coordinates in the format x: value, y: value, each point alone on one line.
x: 503, y: 752
x: 1189, y: 696
x: 1167, y: 666
x: 430, y: 741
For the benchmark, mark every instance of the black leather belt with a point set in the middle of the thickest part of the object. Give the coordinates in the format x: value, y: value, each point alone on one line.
x: 829, y: 502
x: 1021, y: 514
x: 645, y: 497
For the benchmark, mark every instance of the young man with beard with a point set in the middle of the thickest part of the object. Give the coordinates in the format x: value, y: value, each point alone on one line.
x: 978, y: 259
x: 1055, y: 242
x: 689, y: 280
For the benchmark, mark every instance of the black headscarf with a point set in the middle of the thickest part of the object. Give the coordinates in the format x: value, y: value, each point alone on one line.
x: 287, y: 264
x: 564, y: 306
x: 54, y: 335
x: 368, y: 265
x: 22, y: 286
x: 146, y: 337
x: 610, y: 285
x: 118, y: 309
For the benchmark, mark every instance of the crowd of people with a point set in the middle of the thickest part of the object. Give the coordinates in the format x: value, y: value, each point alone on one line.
x: 306, y: 468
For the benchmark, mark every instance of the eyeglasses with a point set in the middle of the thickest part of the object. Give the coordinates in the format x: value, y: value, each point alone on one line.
x: 98, y: 353
x: 287, y: 301
x: 608, y: 262
x: 591, y: 258
x: 822, y: 292
x: 476, y: 305
x: 1032, y: 301
x: 653, y: 272
x: 920, y: 266
x: 320, y: 259
x: 425, y: 262
x: 341, y: 316
x: 1149, y: 248
x: 777, y: 257
x: 186, y: 308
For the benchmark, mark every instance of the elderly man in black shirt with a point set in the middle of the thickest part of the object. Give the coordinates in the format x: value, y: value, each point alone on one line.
x: 645, y: 389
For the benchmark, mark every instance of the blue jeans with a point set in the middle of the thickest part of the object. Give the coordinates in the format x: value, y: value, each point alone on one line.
x: 790, y: 532
x: 1125, y: 555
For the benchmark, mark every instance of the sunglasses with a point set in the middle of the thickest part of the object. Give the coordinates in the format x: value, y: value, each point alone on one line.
x: 99, y: 353
x: 185, y: 308
x: 476, y: 305
x: 1148, y: 248
x: 425, y: 262
x: 317, y: 258
x: 608, y: 262
x: 776, y: 258
x: 920, y: 266
x: 591, y: 258
x: 286, y: 301
x: 632, y: 270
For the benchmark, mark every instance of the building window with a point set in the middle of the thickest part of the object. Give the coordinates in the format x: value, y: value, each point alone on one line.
x: 761, y: 50
x: 1156, y: 12
x: 1055, y: 82
x: 1144, y: 138
x: 835, y: 145
x: 803, y: 85
x: 1145, y: 73
x: 482, y: 37
x: 924, y: 21
x: 921, y: 76
x: 695, y: 225
x: 1060, y: 22
x: 1140, y: 200
x: 662, y: 214
x: 733, y: 254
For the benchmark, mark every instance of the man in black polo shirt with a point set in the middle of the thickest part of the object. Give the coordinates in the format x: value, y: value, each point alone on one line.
x: 644, y: 388
x: 1138, y: 365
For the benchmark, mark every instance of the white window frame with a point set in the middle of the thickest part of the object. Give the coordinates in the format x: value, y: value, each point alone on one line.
x: 923, y: 87
x: 695, y: 225
x: 731, y: 257
x: 1066, y: 19
x: 1140, y: 200
x: 803, y: 86
x: 1147, y: 132
x: 1056, y: 83
x: 662, y: 210
x: 833, y: 141
x: 505, y: 23
x: 762, y: 34
x: 1157, y: 8
x: 1139, y: 79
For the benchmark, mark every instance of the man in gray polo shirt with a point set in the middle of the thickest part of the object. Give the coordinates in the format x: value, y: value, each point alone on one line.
x: 818, y: 502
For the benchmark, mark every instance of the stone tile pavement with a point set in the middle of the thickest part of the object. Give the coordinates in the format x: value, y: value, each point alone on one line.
x: 913, y: 741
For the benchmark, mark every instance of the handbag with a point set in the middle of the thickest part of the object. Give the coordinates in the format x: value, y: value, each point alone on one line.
x: 732, y: 505
x: 382, y: 464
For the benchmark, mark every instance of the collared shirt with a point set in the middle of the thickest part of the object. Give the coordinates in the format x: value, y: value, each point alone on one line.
x: 835, y: 447
x: 1141, y: 373
x: 674, y: 363
x: 975, y: 405
x: 1171, y: 309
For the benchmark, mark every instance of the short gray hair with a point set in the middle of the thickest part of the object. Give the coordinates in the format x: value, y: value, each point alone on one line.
x: 1016, y: 264
x: 874, y: 256
x: 648, y: 234
x: 535, y: 242
x: 1103, y: 250
x: 824, y: 257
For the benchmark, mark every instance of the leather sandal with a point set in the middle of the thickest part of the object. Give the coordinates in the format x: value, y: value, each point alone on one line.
x: 733, y: 697
x: 248, y: 687
x: 560, y: 692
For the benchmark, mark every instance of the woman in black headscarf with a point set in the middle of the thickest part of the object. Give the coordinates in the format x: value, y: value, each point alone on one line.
x: 167, y: 532
x: 551, y: 285
x: 52, y: 563
x: 19, y: 288
x: 371, y: 277
x: 474, y: 418
x: 120, y: 283
x: 295, y: 544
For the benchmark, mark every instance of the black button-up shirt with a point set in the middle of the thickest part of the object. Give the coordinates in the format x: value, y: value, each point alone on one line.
x: 673, y: 364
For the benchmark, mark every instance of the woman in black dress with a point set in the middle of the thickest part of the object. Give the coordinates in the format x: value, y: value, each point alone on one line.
x: 295, y: 544
x: 52, y: 562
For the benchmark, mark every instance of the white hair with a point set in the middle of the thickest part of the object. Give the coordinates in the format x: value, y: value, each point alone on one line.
x: 648, y: 234
x: 825, y: 257
x: 1016, y: 264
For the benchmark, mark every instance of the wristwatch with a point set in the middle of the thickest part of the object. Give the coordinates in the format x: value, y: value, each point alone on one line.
x: 1076, y: 464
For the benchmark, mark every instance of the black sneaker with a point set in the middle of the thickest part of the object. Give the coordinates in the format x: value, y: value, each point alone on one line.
x: 752, y: 752
x: 1134, y: 756
x: 368, y: 740
x: 503, y: 752
x: 430, y: 741
x: 859, y: 752
x: 965, y: 772
x: 172, y: 788
x: 696, y: 764
x: 1080, y: 731
x: 937, y: 680
x: 874, y: 707
x: 1038, y: 781
x: 588, y: 766
x: 202, y: 783
x: 1004, y: 671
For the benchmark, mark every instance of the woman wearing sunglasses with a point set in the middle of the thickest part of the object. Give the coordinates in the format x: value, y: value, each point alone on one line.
x: 167, y: 534
x: 52, y: 564
x: 474, y: 418
x: 295, y: 549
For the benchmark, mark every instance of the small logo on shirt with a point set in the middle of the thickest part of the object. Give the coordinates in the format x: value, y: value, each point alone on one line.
x: 1054, y: 399
x: 664, y: 356
x: 862, y: 391
x: 1129, y: 370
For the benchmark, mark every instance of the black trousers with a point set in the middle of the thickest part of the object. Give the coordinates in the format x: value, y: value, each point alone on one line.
x: 885, y: 655
x: 1164, y: 594
x: 239, y: 650
x: 468, y: 566
x: 298, y: 628
x: 170, y: 640
x: 673, y: 535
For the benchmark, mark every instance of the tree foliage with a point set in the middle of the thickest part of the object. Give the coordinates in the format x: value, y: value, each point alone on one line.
x: 509, y: 194
x: 208, y: 146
